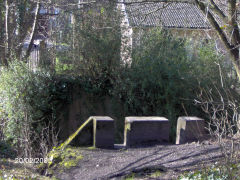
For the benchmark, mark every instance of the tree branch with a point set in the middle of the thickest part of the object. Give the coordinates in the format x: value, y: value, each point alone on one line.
x: 218, y: 11
x: 234, y: 29
x: 216, y: 26
x: 233, y: 49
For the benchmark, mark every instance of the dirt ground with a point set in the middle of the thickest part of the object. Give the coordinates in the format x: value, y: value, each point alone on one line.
x: 169, y: 160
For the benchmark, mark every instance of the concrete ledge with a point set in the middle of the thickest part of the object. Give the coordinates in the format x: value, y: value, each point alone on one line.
x: 190, y: 129
x: 146, y: 130
x: 103, y: 130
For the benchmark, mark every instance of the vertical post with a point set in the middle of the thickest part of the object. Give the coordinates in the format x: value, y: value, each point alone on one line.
x: 94, y: 131
x: 103, y: 131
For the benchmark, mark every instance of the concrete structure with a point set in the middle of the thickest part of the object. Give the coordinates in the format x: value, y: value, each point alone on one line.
x: 190, y: 129
x: 96, y: 131
x: 146, y: 130
x: 103, y: 130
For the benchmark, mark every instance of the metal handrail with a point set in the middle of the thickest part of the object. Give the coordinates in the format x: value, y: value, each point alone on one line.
x: 67, y: 142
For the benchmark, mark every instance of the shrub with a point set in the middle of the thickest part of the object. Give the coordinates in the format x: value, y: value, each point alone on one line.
x: 163, y: 79
x: 92, y: 42
x: 28, y: 104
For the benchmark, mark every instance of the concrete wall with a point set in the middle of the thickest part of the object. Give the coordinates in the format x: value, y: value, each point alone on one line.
x: 83, y: 106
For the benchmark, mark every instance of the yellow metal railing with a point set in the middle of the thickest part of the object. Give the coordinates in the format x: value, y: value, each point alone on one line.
x: 67, y: 142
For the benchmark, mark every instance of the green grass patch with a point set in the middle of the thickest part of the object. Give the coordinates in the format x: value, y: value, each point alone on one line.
x: 146, y: 172
x: 130, y: 176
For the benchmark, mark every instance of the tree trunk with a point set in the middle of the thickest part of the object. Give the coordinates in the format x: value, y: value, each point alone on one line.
x: 232, y: 40
x: 6, y: 48
x: 2, y: 47
x: 34, y: 30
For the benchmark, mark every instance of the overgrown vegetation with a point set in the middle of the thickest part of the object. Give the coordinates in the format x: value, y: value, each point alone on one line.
x: 82, y: 52
x: 222, y: 106
x: 162, y: 81
x: 92, y: 40
x: 29, y: 105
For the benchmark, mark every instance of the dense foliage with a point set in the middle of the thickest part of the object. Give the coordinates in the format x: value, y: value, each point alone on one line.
x: 91, y: 40
x: 28, y: 106
x: 164, y: 79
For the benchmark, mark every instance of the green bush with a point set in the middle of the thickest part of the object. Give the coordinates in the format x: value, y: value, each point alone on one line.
x: 6, y: 151
x: 28, y: 106
x: 92, y: 43
x: 163, y: 80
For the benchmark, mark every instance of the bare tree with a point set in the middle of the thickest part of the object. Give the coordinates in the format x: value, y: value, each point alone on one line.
x: 222, y: 108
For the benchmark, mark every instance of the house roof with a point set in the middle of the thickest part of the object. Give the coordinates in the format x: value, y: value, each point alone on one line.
x: 168, y: 15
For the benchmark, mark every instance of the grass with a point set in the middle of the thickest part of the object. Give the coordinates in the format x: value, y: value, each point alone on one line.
x: 130, y: 176
x: 147, y: 172
x: 91, y: 148
x: 156, y: 174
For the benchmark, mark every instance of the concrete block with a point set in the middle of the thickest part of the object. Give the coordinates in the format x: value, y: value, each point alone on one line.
x: 190, y: 129
x: 146, y: 130
x: 103, y: 130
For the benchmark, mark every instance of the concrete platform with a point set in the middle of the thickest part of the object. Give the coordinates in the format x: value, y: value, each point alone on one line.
x: 190, y: 129
x: 146, y: 130
x: 103, y: 132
